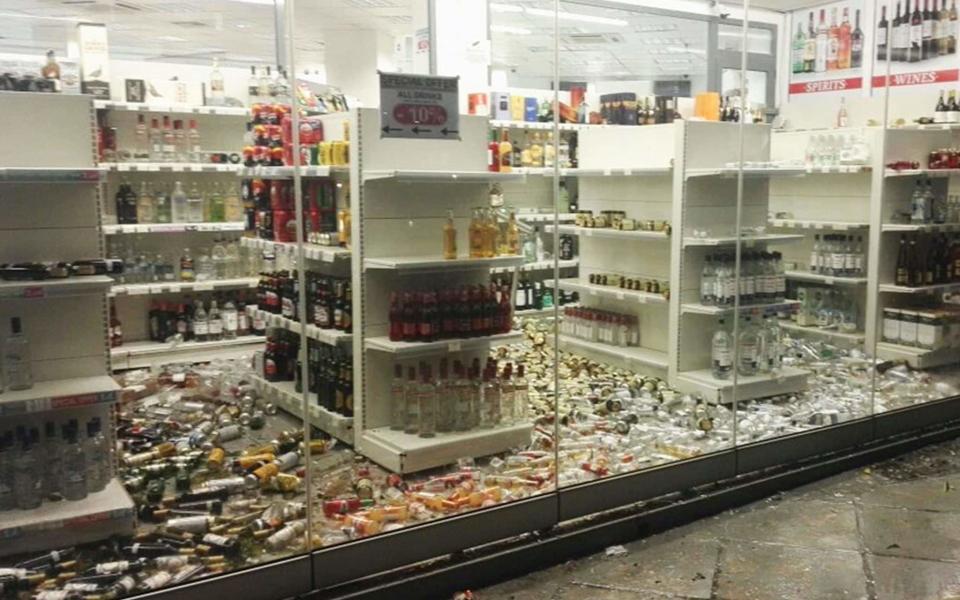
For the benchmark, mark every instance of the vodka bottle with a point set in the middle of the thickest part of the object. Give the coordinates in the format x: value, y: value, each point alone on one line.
x: 194, y: 153
x: 490, y: 400
x: 206, y: 271
x: 216, y: 207
x: 17, y: 369
x: 217, y: 97
x: 74, y: 464
x: 445, y: 403
x: 145, y: 205
x: 462, y: 392
x: 708, y: 282
x: 27, y: 479
x: 721, y: 352
x: 214, y: 323
x: 8, y: 500
x: 233, y: 267
x: 182, y: 152
x: 163, y: 210
x: 229, y: 316
x: 748, y: 349
x: 97, y: 454
x: 178, y: 204
x: 815, y: 254
x: 142, y: 146
x: 427, y: 400
x: 194, y: 205
x: 918, y: 208
x: 156, y: 141
x: 218, y: 255
x: 521, y: 395
x: 763, y: 346
x: 397, y: 406
x: 52, y: 460
x: 781, y: 277
x: 507, y: 396
x: 411, y: 421
x: 169, y: 141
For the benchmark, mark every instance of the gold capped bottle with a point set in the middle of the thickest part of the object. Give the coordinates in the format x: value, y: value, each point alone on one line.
x: 449, y: 238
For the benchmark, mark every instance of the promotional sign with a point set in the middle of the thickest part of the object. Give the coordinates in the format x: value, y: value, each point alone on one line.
x: 419, y: 106
x: 919, y: 45
x: 827, y: 48
x: 94, y: 60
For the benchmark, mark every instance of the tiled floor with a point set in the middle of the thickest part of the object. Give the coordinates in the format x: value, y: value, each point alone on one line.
x: 891, y: 531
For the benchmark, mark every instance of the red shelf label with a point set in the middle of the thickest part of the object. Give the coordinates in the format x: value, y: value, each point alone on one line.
x: 828, y: 85
x: 917, y: 78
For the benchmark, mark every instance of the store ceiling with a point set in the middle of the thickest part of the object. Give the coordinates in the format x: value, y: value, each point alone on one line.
x: 595, y: 43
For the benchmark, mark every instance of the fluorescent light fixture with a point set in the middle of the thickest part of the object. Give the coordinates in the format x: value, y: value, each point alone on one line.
x: 10, y: 15
x: 510, y: 29
x: 569, y: 16
x: 499, y: 7
x: 171, y: 38
x: 261, y: 2
x: 666, y: 61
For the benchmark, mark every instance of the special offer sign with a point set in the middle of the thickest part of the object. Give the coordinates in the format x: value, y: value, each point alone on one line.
x: 419, y: 106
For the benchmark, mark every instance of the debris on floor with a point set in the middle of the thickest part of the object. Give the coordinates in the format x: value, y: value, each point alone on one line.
x: 615, y: 551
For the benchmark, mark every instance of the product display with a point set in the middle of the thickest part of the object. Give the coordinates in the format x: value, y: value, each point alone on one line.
x: 617, y: 219
x: 329, y: 303
x: 920, y: 35
x: 828, y: 47
x: 826, y: 309
x: 838, y: 256
x: 224, y: 318
x: 761, y: 279
x: 461, y: 312
x: 927, y: 259
x: 224, y: 260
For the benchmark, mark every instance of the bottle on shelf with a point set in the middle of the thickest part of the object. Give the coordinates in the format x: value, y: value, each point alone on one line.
x: 748, y: 349
x: 169, y: 141
x: 449, y: 238
x: 74, y: 464
x: 217, y: 94
x: 512, y: 235
x: 146, y: 205
x: 163, y: 205
x: 141, y: 148
x: 17, y: 367
x: 195, y: 204
x: 194, y: 153
x: 201, y: 324
x: 97, y: 452
x: 214, y: 323
x: 411, y: 397
x: 180, y: 209
x: 156, y: 141
x: 229, y: 318
x: 398, y: 389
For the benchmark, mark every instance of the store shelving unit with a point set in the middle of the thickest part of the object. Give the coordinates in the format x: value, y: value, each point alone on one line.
x: 606, y: 232
x: 138, y: 228
x: 170, y: 167
x: 176, y: 287
x: 285, y: 395
x: 136, y: 355
x: 587, y: 290
x: 287, y: 172
x: 313, y: 252
x: 184, y: 109
x: 64, y: 319
x: 330, y: 337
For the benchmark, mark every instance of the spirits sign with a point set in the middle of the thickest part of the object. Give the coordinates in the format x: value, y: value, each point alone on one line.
x: 419, y: 106
x: 828, y: 44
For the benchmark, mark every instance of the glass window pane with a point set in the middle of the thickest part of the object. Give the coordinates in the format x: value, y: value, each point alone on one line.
x: 759, y: 40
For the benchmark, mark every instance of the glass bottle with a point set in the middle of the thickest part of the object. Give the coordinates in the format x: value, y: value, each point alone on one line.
x: 218, y: 254
x: 513, y: 235
x: 195, y: 205
x: 169, y: 141
x: 194, y: 154
x: 145, y: 205
x: 490, y: 399
x: 8, y: 500
x: 708, y: 283
x: 476, y: 234
x: 17, y: 368
x: 201, y: 325
x: 397, y: 401
x: 163, y: 211
x: 427, y: 401
x: 217, y: 96
x: 508, y: 399
x: 96, y: 453
x: 214, y: 323
x: 27, y: 480
x: 445, y: 402
x: 411, y: 398
x: 462, y: 395
x: 74, y: 464
x: 179, y: 206
x: 217, y: 207
x: 52, y: 460
x: 141, y: 149
x: 721, y: 352
x: 229, y: 318
x: 232, y: 205
x: 156, y: 141
x: 748, y: 349
x: 491, y: 231
x: 187, y: 270
x: 449, y: 238
x: 181, y: 154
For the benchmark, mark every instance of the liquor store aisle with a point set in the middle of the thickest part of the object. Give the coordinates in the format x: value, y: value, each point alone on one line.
x: 888, y: 531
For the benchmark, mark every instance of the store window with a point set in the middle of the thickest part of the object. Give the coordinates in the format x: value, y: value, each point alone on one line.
x: 332, y: 273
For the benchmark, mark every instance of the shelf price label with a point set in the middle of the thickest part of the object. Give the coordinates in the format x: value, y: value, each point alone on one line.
x: 419, y: 107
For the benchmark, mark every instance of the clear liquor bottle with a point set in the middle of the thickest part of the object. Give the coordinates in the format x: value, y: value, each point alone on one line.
x: 748, y: 349
x: 508, y: 399
x: 229, y: 318
x: 17, y: 370
x: 490, y: 400
x: 521, y: 395
x: 721, y: 352
x: 94, y: 446
x: 74, y: 464
x: 27, y: 480
x: 708, y: 283
x: 156, y: 141
x: 141, y: 149
x: 180, y: 211
x: 445, y: 399
x: 169, y: 141
x: 201, y: 325
x: 145, y: 205
x: 194, y: 153
x: 398, y: 389
x: 52, y: 460
x: 163, y: 209
x: 427, y: 401
x: 411, y: 423
x: 214, y: 323
x: 195, y: 204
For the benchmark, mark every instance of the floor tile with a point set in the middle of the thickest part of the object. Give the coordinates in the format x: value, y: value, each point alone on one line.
x: 911, y: 533
x: 899, y: 578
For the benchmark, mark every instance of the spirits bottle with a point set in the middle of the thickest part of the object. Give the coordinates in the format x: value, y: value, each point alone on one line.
x: 194, y: 204
x: 476, y: 234
x: 489, y: 400
x: 179, y: 207
x: 493, y: 153
x: 17, y: 369
x: 882, y: 29
x: 97, y: 454
x: 491, y: 231
x: 708, y: 283
x: 180, y: 141
x: 214, y: 323
x: 397, y: 399
x: 521, y: 395
x: 52, y: 461
x: 505, y: 150
x: 927, y: 43
x: 449, y: 238
x: 833, y: 42
x: 513, y: 235
x: 844, y: 41
x: 156, y: 141
x: 462, y: 398
x: 445, y: 405
x: 146, y: 204
x: 748, y: 349
x: 411, y: 398
x: 8, y: 500
x: 902, y: 276
x: 232, y: 205
x: 856, y: 43
x: 74, y: 464
x: 217, y: 209
x: 229, y: 318
x: 842, y: 118
x: 163, y: 209
x: 508, y: 407
x: 187, y: 271
x: 201, y: 326
x: 530, y: 247
x: 823, y: 43
x: 195, y: 155
x: 169, y: 141
x: 810, y: 47
x: 799, y: 45
x: 27, y: 479
x: 141, y: 149
x: 217, y: 97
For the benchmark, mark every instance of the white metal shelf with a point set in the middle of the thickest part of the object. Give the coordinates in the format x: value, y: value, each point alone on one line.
x: 50, y: 175
x: 175, y: 287
x: 890, y: 288
x: 172, y: 227
x: 787, y: 380
x: 461, y: 263
x: 918, y: 358
x: 808, y: 224
x: 310, y: 251
x: 287, y: 172
x: 607, y: 291
x: 542, y: 265
x: 171, y: 167
x: 542, y: 312
x: 926, y: 127
x: 106, y: 513
x: 408, y: 453
x: 545, y: 217
x: 824, y: 279
x: 628, y: 356
x: 285, y: 395
x: 695, y: 308
x: 187, y: 109
x: 920, y: 172
x: 919, y: 227
x: 58, y: 394
x: 606, y: 232
x: 838, y: 169
x: 746, y: 240
x: 856, y: 337
x: 331, y: 337
x: 428, y: 176
x: 748, y: 172
x: 133, y: 355
x: 541, y: 126
x: 384, y: 344
x: 69, y: 286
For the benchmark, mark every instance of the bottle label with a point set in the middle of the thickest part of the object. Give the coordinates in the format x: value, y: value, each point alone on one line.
x: 832, y: 49
x: 216, y: 326
x: 927, y: 28
x: 230, y: 321
x: 748, y: 354
x: 916, y: 35
x: 850, y: 262
x: 243, y: 321
x: 722, y: 357
x: 837, y: 261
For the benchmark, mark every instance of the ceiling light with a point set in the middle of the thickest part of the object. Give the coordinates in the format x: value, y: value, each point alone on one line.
x: 569, y: 16
x: 171, y: 38
x: 261, y: 2
x: 510, y: 29
x: 39, y: 18
x: 498, y: 7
